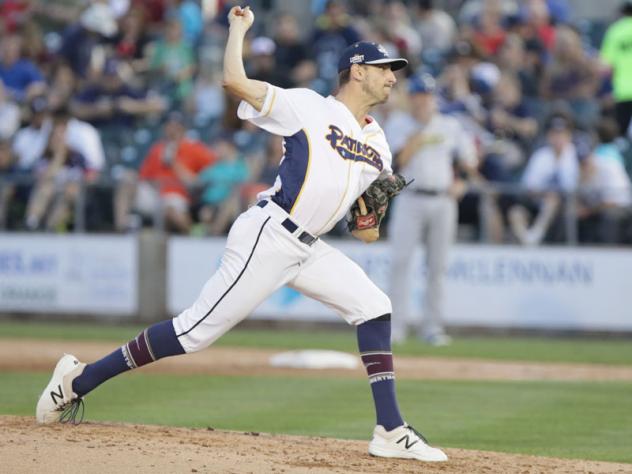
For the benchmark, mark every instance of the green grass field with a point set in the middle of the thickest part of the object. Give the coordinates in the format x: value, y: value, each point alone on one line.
x: 585, y: 420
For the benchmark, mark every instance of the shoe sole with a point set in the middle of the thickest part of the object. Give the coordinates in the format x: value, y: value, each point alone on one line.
x: 383, y: 453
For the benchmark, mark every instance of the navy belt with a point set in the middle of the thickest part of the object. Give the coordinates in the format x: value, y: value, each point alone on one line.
x: 291, y: 227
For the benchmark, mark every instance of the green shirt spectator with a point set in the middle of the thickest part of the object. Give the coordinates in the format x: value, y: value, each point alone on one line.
x: 220, y: 179
x: 616, y: 50
x: 174, y: 58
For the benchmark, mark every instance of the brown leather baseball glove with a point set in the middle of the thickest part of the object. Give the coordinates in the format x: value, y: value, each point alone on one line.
x: 367, y: 212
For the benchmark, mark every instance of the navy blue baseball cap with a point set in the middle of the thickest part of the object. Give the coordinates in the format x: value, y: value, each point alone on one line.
x: 422, y: 84
x: 365, y: 52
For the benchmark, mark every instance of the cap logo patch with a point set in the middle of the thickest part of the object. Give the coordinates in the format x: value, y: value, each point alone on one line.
x: 356, y: 58
x: 382, y: 49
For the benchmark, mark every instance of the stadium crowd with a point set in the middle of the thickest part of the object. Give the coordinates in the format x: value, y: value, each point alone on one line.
x: 116, y: 109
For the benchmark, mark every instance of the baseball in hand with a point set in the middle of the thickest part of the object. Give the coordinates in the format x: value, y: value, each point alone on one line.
x: 241, y: 16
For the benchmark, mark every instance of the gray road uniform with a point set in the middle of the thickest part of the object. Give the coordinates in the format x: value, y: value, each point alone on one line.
x: 426, y: 212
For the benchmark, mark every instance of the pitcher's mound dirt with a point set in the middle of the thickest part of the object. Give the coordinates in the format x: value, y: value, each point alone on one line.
x: 26, y: 447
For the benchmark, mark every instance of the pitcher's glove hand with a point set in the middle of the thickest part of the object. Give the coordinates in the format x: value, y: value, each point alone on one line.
x: 367, y: 212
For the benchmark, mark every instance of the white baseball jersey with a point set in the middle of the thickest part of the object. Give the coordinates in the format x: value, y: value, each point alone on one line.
x: 329, y: 159
x: 444, y: 139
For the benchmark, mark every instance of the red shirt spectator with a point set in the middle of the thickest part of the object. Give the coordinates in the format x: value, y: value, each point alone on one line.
x: 169, y: 162
x: 489, y: 34
x: 14, y: 13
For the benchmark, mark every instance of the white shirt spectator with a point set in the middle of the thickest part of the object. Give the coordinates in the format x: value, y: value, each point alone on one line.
x: 610, y: 180
x: 9, y: 120
x: 30, y: 143
x: 546, y: 172
x: 437, y: 30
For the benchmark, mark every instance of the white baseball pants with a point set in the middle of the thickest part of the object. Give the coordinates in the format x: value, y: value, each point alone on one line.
x: 261, y: 256
x: 431, y: 220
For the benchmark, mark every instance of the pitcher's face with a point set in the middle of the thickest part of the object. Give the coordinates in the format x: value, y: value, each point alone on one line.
x: 378, y: 82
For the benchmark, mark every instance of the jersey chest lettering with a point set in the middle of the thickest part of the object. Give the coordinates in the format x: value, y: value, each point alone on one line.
x: 351, y: 149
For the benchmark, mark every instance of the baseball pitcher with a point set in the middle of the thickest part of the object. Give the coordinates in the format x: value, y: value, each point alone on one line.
x: 333, y: 152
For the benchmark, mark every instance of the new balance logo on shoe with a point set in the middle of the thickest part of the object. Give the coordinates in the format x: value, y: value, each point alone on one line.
x: 55, y: 395
x: 406, y: 440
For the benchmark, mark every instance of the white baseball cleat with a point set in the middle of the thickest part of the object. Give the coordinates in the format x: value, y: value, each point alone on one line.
x: 403, y: 442
x: 58, y: 402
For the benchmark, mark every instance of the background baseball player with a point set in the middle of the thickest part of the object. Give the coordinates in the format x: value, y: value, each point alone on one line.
x: 333, y: 152
x: 425, y: 143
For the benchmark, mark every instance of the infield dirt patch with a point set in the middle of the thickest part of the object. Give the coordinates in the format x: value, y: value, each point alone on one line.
x: 26, y: 447
x: 36, y: 354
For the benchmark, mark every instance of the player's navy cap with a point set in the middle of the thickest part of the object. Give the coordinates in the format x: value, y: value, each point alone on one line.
x: 365, y: 52
x: 422, y: 84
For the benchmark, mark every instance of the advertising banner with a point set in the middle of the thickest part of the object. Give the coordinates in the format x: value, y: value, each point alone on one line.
x: 486, y: 286
x: 69, y: 274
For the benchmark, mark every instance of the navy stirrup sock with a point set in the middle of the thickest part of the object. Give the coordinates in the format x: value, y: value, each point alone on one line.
x: 153, y: 343
x: 374, y: 343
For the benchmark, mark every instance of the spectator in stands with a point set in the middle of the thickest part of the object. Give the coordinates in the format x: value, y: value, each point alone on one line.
x: 154, y: 10
x: 170, y: 169
x: 189, y: 15
x: 559, y: 10
x: 9, y: 116
x: 30, y: 142
x: 458, y: 97
x: 332, y: 33
x: 112, y: 105
x: 14, y: 13
x: 605, y: 190
x: 262, y: 65
x: 538, y: 25
x: 488, y: 33
x: 131, y: 41
x: 22, y: 79
x: 435, y: 27
x: 173, y: 59
x: 616, y: 52
x: 33, y: 46
x: 84, y: 42
x: 8, y: 171
x: 471, y: 9
x: 551, y: 171
x: 511, y: 122
x: 513, y: 58
x: 59, y: 172
x: 62, y: 86
x: 571, y: 75
x: 291, y: 52
x: 512, y: 129
x: 207, y: 102
x: 397, y: 25
x: 220, y: 199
